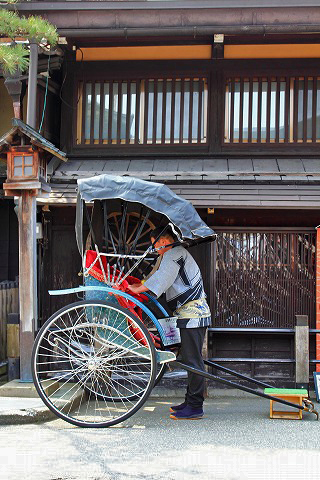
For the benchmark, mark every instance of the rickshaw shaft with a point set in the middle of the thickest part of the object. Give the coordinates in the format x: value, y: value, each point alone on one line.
x: 236, y: 374
x: 210, y: 376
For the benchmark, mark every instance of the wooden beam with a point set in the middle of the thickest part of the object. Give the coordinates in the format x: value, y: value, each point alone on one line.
x: 27, y: 281
x: 311, y: 50
x: 154, y: 52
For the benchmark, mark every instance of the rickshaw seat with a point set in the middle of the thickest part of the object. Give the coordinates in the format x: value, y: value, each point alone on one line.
x: 132, y: 338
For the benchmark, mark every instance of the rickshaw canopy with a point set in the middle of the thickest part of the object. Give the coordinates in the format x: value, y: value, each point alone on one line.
x: 155, y: 196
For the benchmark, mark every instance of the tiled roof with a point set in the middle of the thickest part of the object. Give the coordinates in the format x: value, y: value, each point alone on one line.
x: 230, y: 169
x: 231, y: 194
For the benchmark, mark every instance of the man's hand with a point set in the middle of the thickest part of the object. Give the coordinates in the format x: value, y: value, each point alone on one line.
x: 137, y: 288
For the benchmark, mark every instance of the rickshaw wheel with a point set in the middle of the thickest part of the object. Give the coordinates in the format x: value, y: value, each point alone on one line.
x: 93, y: 364
x: 126, y: 241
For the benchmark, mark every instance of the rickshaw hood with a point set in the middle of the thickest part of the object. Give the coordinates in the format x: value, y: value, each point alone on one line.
x: 156, y: 196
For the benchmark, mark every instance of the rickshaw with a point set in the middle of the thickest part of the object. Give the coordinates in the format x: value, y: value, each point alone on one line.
x: 95, y: 361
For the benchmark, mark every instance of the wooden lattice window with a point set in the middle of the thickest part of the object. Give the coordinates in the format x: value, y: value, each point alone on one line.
x: 264, y: 278
x: 272, y: 110
x: 146, y: 112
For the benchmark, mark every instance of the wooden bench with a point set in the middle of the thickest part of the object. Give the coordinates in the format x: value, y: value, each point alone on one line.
x: 293, y: 395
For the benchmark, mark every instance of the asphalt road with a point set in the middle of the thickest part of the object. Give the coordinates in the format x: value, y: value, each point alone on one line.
x: 235, y: 440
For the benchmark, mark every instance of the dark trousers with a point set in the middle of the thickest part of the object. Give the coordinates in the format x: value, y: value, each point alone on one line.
x: 191, y: 354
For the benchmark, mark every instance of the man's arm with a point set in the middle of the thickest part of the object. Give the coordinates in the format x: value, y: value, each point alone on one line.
x: 138, y: 288
x: 164, y: 277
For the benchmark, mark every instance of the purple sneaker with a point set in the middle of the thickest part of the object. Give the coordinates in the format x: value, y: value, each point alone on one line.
x: 176, y: 408
x: 188, y: 413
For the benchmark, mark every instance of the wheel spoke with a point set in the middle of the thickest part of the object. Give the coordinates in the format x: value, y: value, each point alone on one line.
x: 129, y: 238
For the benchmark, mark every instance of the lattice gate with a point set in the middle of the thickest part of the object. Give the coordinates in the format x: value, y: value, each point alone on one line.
x: 263, y: 278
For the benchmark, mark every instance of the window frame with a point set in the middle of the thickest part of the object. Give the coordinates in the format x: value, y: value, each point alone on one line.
x: 266, y: 68
x: 280, y: 113
x: 137, y: 71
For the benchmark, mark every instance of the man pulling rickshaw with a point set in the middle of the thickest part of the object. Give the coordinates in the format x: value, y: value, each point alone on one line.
x: 180, y: 278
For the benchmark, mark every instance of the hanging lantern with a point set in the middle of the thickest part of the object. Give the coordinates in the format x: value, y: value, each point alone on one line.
x: 25, y: 164
x: 27, y: 156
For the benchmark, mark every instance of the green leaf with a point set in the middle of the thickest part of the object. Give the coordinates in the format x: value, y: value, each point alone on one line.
x: 13, y: 58
x: 35, y: 28
x: 32, y: 28
x: 9, y: 23
x: 38, y: 29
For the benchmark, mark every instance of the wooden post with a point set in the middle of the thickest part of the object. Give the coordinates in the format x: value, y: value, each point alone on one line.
x: 318, y: 298
x: 27, y: 280
x: 13, y: 346
x: 205, y: 355
x: 210, y: 286
x: 302, y: 351
x: 9, y: 304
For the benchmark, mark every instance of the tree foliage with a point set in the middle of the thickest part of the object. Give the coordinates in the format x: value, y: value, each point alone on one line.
x: 14, y: 56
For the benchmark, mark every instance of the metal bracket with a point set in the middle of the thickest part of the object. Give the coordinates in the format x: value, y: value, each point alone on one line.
x: 309, y: 407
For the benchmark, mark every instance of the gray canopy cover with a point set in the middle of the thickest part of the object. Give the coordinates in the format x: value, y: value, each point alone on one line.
x: 156, y: 196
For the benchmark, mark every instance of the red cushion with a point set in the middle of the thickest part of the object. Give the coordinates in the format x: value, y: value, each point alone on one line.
x: 97, y: 273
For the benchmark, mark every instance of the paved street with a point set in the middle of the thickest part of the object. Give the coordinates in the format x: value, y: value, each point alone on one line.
x: 236, y: 440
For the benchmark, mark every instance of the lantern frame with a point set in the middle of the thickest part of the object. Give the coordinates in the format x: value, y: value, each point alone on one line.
x: 30, y: 173
x: 24, y: 153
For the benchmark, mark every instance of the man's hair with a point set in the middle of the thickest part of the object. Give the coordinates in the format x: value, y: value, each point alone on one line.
x: 156, y: 234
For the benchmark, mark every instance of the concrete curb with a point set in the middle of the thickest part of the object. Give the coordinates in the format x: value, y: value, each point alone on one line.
x: 23, y: 410
x: 22, y: 416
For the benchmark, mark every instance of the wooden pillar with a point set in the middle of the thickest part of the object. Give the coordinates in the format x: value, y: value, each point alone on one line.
x: 27, y: 280
x: 302, y: 351
x: 318, y: 297
x: 13, y: 346
x: 210, y: 256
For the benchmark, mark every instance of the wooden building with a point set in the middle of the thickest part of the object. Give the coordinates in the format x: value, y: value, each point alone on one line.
x: 221, y: 101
